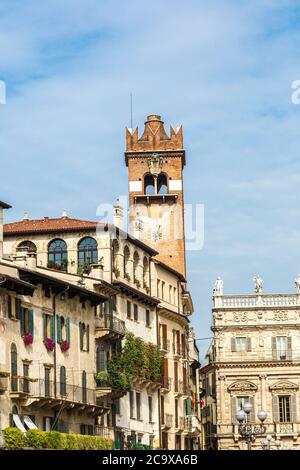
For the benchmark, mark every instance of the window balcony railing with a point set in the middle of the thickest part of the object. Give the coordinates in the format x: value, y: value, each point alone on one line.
x: 46, y: 389
x: 177, y: 349
x: 104, y: 432
x: 284, y: 428
x: 110, y: 325
x: 164, y: 345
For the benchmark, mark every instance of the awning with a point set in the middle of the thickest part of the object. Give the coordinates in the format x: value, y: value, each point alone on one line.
x: 29, y: 423
x: 18, y: 423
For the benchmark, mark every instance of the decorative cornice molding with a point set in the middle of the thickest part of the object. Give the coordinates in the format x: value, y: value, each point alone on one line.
x: 283, y: 386
x: 243, y: 386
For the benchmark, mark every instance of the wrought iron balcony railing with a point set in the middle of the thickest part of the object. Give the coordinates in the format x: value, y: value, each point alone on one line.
x: 110, y: 323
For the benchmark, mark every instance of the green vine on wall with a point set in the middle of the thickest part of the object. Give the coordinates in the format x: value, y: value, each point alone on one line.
x: 137, y: 360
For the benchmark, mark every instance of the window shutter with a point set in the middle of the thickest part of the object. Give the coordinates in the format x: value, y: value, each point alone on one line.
x: 68, y: 331
x: 80, y: 336
x: 88, y: 337
x: 101, y: 361
x: 31, y: 322
x: 8, y: 306
x: 233, y: 410
x: 274, y: 348
x: 252, y: 413
x: 189, y: 406
x: 58, y: 327
x: 249, y: 344
x: 52, y: 328
x: 275, y: 409
x: 293, y: 408
x: 289, y: 348
x: 22, y: 321
x: 44, y: 326
x: 18, y: 308
x: 233, y: 345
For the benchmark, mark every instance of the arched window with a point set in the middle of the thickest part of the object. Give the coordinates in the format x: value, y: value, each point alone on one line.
x: 162, y: 184
x: 14, y: 367
x: 57, y: 255
x: 136, y: 260
x: 126, y: 262
x: 87, y: 252
x: 84, y: 389
x: 145, y: 273
x: 63, y: 381
x: 28, y: 245
x: 149, y: 186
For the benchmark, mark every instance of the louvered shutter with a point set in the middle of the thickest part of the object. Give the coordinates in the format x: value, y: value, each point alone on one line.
x: 275, y: 409
x: 233, y: 345
x: 58, y: 327
x: 22, y: 321
x: 274, y: 348
x: 88, y: 337
x: 80, y: 336
x: 31, y: 321
x: 252, y: 414
x: 101, y: 360
x: 52, y: 328
x: 8, y: 306
x: 249, y: 344
x: 233, y: 410
x: 293, y: 408
x: 289, y: 348
x: 18, y: 308
x: 68, y: 331
x: 44, y: 326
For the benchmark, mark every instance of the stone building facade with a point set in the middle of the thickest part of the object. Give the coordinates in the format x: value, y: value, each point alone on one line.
x: 254, y: 358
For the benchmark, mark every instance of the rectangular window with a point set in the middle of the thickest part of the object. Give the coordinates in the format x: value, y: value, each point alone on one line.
x: 281, y: 347
x: 163, y: 293
x: 170, y: 294
x: 158, y: 288
x: 284, y: 402
x: 128, y: 310
x: 138, y: 405
x: 147, y: 317
x: 162, y: 409
x: 135, y: 312
x: 241, y: 343
x: 176, y: 413
x: 131, y: 404
x: 150, y: 408
x: 240, y: 402
x: 175, y: 296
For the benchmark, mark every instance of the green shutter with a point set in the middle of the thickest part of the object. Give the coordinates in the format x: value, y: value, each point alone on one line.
x: 44, y: 326
x: 22, y: 321
x: 188, y: 406
x: 31, y: 322
x: 52, y: 328
x: 58, y: 327
x: 68, y: 330
x: 80, y: 336
x: 18, y: 308
x: 88, y: 337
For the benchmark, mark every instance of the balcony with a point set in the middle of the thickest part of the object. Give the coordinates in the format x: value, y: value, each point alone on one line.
x: 109, y: 327
x: 257, y: 300
x: 167, y: 420
x: 181, y: 388
x: 192, y: 425
x: 177, y: 350
x: 43, y: 394
x: 164, y: 346
x: 104, y: 432
x: 166, y: 383
x: 181, y: 423
x: 285, y: 428
x: 105, y: 390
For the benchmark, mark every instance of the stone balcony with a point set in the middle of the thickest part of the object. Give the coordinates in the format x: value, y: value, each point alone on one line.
x: 167, y: 420
x: 4, y: 383
x: 256, y: 300
x: 109, y: 327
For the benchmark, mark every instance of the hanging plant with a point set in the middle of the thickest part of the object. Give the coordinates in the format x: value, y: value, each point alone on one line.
x: 4, y: 374
x: 64, y: 345
x: 28, y: 339
x: 49, y: 343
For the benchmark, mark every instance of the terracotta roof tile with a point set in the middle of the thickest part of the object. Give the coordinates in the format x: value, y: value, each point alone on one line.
x: 63, y: 224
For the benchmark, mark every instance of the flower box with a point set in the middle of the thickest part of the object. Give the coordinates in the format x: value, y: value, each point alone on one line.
x: 64, y: 345
x: 28, y: 339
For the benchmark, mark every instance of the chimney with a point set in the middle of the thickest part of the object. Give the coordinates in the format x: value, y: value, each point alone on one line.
x: 118, y: 215
x: 26, y: 216
x: 3, y: 206
x: 64, y: 213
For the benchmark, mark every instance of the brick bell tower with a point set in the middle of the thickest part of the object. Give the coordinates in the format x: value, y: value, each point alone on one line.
x: 155, y: 164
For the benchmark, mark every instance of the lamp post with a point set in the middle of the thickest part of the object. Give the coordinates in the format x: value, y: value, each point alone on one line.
x: 248, y: 430
x: 266, y: 443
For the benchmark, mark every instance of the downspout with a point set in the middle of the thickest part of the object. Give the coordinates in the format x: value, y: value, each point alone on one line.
x: 157, y: 343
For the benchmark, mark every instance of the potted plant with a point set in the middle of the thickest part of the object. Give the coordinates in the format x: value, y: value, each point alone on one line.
x: 127, y: 277
x: 64, y: 264
x: 116, y: 272
x: 102, y: 378
x: 28, y: 339
x: 64, y: 345
x: 49, y: 344
x: 137, y: 283
x: 4, y: 374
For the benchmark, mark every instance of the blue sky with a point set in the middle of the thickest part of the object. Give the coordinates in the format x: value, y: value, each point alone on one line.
x: 223, y: 69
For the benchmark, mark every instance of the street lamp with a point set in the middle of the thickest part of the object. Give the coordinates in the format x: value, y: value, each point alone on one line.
x: 248, y: 430
x: 267, y: 442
